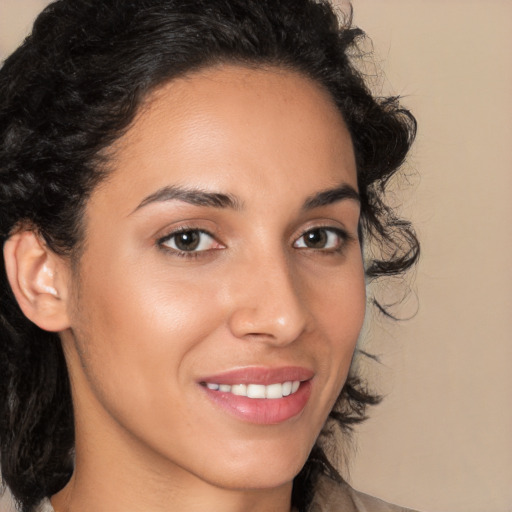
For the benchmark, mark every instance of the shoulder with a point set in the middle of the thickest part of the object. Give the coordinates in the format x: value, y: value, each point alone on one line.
x: 44, y: 506
x: 332, y: 496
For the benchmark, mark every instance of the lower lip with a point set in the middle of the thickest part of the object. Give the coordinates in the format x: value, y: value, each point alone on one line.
x: 263, y: 411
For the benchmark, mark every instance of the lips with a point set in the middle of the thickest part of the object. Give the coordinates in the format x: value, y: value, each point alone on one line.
x: 260, y: 395
x: 259, y: 375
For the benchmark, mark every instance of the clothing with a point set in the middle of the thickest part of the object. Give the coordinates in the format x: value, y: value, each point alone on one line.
x: 332, y: 496
x: 329, y: 497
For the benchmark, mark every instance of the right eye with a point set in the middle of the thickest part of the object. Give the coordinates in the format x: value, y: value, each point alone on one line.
x: 189, y: 241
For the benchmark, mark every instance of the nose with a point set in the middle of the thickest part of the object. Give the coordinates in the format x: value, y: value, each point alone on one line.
x: 269, y: 306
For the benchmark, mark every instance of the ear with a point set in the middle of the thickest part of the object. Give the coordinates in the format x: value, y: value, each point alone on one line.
x: 38, y: 278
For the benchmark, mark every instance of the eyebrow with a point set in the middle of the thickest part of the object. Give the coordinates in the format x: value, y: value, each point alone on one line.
x: 330, y: 196
x: 196, y: 197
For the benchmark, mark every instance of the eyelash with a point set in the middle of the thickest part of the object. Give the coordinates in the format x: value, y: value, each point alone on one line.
x: 342, y: 235
x: 343, y: 238
x: 161, y: 242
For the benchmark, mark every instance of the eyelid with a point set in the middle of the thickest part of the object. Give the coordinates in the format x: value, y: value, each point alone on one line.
x: 161, y: 241
x: 342, y: 233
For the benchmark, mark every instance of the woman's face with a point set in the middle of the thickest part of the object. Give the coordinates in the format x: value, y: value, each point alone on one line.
x: 221, y: 260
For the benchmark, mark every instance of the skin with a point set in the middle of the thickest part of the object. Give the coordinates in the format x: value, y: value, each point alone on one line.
x: 145, y: 322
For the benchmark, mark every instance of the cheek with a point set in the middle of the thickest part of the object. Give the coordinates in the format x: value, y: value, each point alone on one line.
x: 340, y: 303
x: 134, y: 321
x: 339, y: 307
x: 139, y: 334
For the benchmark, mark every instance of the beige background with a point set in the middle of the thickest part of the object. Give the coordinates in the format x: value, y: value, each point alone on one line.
x: 442, y: 439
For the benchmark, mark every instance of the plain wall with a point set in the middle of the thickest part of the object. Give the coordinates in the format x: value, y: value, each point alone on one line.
x: 442, y: 439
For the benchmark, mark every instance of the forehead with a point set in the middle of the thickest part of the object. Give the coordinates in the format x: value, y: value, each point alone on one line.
x: 236, y: 129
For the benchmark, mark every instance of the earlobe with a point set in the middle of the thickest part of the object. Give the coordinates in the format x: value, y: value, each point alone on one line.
x: 37, y: 277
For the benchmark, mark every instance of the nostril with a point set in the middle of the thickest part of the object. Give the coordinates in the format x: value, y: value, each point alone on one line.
x: 261, y: 326
x: 268, y: 307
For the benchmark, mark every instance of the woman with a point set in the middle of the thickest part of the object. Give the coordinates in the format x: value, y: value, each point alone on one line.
x: 187, y: 188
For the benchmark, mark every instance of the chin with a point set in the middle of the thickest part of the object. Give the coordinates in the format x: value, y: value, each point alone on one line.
x: 259, y: 471
x: 261, y: 479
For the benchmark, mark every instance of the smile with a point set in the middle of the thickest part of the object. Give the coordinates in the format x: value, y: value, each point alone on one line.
x: 271, y: 391
x: 260, y: 395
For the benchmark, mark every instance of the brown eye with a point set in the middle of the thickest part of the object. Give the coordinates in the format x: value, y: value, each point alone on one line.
x: 321, y: 238
x: 187, y: 241
x: 316, y: 239
x: 193, y: 240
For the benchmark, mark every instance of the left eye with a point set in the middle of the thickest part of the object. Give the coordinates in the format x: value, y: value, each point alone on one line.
x: 320, y: 238
x: 192, y: 240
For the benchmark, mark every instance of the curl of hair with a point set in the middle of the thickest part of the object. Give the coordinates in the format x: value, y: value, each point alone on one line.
x: 72, y: 89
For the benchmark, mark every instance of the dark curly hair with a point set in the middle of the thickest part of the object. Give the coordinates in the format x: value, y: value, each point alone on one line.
x: 72, y: 89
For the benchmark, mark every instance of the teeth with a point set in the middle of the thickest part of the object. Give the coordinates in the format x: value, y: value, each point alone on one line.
x: 239, y: 389
x: 287, y: 388
x: 272, y: 391
x: 256, y: 391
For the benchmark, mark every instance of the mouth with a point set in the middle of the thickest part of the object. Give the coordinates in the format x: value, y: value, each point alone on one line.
x: 261, y: 395
x: 271, y: 392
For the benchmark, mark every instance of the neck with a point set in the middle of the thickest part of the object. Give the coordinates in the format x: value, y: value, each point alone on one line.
x: 76, y: 497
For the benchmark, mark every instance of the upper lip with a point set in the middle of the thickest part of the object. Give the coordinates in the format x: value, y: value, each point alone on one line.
x: 260, y: 375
